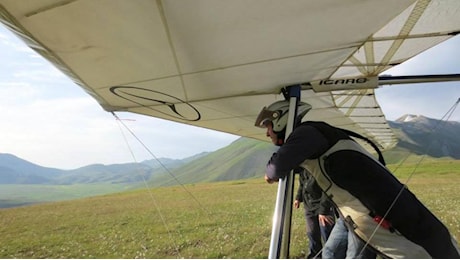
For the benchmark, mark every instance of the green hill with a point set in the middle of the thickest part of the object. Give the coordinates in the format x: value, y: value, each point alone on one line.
x: 245, y: 158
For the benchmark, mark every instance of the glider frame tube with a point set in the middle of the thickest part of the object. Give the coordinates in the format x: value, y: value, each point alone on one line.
x: 281, y: 229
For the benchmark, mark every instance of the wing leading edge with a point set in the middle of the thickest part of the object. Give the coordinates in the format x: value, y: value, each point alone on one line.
x: 214, y: 64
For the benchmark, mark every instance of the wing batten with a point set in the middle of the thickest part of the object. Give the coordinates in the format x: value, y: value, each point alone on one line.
x: 415, y: 15
x: 414, y: 36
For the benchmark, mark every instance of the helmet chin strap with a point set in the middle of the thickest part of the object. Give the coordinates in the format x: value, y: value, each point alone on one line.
x: 280, y: 142
x: 280, y: 137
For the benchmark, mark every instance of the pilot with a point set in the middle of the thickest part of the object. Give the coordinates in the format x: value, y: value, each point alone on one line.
x: 374, y: 204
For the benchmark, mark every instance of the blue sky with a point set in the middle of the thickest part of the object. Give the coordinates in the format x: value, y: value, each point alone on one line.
x: 429, y: 99
x: 48, y: 120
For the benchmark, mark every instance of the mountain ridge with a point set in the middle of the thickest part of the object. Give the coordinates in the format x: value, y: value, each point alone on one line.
x: 424, y: 135
x: 244, y: 158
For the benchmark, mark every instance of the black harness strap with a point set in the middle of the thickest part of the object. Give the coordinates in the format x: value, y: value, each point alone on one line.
x: 334, y: 134
x: 354, y: 134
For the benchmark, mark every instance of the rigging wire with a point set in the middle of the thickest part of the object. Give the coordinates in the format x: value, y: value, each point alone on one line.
x: 442, y: 123
x: 161, y: 164
x: 447, y: 115
x: 201, y: 207
x: 168, y: 230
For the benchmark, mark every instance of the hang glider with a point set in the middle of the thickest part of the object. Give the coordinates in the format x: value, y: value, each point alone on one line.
x: 214, y: 64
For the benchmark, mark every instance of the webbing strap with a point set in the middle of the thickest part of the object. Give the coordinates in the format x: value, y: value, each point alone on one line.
x: 351, y: 133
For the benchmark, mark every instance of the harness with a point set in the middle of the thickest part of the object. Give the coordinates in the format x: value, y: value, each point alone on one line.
x: 362, y: 188
x: 332, y: 136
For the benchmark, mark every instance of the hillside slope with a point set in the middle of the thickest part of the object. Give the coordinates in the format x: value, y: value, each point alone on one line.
x: 242, y: 159
x: 14, y: 170
x: 425, y: 136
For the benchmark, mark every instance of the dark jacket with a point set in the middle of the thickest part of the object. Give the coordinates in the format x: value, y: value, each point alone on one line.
x: 315, y: 201
x: 367, y: 180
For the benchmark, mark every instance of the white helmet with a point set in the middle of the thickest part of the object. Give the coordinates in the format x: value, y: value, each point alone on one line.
x: 277, y: 113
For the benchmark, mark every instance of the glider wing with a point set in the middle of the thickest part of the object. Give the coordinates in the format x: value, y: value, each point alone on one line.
x: 214, y: 64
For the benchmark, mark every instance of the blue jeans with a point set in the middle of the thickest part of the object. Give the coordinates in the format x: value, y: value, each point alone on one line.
x: 316, y: 232
x: 344, y: 244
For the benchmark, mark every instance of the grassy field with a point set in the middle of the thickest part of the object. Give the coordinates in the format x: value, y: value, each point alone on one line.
x: 217, y: 220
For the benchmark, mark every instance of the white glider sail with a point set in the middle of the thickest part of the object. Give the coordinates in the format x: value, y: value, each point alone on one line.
x: 214, y: 64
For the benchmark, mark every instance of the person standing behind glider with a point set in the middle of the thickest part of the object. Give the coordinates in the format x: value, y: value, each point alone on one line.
x: 318, y: 212
x: 343, y: 244
x: 381, y: 210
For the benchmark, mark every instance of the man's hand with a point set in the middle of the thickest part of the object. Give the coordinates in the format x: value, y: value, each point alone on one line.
x: 296, y: 204
x: 268, y: 180
x: 325, y: 219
